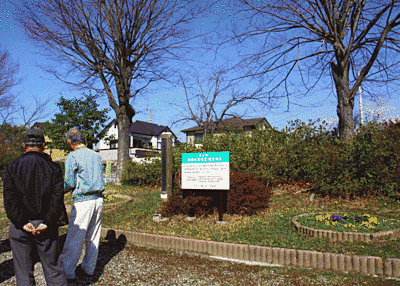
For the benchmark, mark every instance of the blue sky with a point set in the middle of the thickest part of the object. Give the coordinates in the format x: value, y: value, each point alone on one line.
x: 36, y: 83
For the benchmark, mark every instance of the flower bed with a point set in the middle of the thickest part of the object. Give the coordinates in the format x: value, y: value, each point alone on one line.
x: 112, y: 201
x: 346, y: 227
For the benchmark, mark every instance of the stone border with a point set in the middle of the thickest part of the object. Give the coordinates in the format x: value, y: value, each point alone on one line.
x: 343, y: 236
x: 364, y: 265
x: 127, y: 198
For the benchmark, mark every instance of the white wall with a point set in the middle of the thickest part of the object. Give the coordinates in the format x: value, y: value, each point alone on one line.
x: 113, y: 130
x: 109, y: 155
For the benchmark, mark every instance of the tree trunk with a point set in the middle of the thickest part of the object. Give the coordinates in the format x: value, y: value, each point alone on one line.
x: 345, y: 114
x: 345, y: 101
x: 124, y: 123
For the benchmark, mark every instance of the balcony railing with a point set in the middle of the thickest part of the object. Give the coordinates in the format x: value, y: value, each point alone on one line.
x: 143, y: 152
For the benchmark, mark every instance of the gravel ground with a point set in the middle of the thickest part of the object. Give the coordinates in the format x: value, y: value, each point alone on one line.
x: 123, y: 264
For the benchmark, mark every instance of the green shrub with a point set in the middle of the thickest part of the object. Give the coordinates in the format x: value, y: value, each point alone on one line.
x: 378, y: 158
x: 139, y: 174
x: 177, y: 152
x: 149, y: 173
x: 367, y: 165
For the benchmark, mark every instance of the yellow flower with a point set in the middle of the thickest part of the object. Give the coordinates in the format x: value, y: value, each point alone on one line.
x: 373, y: 220
x: 366, y: 215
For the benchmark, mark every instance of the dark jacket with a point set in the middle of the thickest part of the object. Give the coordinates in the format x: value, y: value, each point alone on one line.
x: 33, y: 190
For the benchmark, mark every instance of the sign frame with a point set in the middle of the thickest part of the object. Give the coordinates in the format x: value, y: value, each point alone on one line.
x: 205, y: 171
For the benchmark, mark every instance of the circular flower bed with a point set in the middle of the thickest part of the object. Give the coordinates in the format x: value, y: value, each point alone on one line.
x: 112, y: 201
x: 347, y: 227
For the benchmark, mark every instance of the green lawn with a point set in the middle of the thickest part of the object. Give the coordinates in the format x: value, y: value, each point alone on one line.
x: 271, y: 228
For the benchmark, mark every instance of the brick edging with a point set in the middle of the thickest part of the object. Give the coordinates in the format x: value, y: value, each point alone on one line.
x: 365, y: 265
x: 343, y: 236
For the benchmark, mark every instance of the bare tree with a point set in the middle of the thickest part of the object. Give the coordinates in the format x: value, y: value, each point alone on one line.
x: 114, y: 42
x: 313, y: 38
x: 8, y: 79
x: 11, y: 107
x: 210, y: 101
x: 26, y: 112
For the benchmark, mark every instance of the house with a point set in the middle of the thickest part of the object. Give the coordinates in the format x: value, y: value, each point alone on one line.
x: 240, y: 125
x: 144, y: 138
x: 56, y: 154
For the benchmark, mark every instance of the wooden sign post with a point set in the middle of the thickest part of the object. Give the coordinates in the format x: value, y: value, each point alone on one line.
x: 166, y: 162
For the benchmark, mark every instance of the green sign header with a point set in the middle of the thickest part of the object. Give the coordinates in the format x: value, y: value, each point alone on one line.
x: 205, y: 157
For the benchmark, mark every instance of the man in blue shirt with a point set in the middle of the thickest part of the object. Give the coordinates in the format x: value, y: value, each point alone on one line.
x: 84, y: 177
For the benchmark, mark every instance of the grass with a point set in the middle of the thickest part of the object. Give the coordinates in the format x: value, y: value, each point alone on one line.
x: 271, y: 228
x: 108, y: 199
x: 4, y: 221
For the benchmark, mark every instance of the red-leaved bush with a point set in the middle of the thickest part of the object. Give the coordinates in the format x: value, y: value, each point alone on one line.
x: 247, y: 195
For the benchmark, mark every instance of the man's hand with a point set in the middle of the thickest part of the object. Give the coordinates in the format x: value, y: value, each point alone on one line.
x: 29, y: 227
x: 40, y: 229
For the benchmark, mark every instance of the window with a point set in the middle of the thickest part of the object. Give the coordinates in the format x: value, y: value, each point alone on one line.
x: 198, y: 137
x: 136, y: 143
x: 113, y: 144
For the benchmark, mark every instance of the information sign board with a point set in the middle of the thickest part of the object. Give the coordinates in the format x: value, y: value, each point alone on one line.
x: 207, y: 170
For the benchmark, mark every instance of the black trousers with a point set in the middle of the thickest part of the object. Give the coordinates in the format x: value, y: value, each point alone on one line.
x: 24, y: 246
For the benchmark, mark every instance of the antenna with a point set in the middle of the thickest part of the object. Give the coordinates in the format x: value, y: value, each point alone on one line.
x: 361, y: 104
x: 148, y: 109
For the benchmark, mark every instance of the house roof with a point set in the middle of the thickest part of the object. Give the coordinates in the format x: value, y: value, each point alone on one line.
x: 233, y: 122
x: 39, y: 125
x: 146, y: 128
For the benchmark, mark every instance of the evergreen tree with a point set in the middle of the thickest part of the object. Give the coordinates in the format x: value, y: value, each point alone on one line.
x: 81, y: 113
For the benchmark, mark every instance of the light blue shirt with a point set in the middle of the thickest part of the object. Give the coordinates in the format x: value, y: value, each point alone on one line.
x: 84, y: 174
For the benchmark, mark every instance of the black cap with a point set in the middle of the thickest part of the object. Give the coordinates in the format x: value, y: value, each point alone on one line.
x: 33, y: 137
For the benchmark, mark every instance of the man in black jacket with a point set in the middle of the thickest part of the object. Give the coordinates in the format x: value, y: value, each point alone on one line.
x: 34, y: 201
